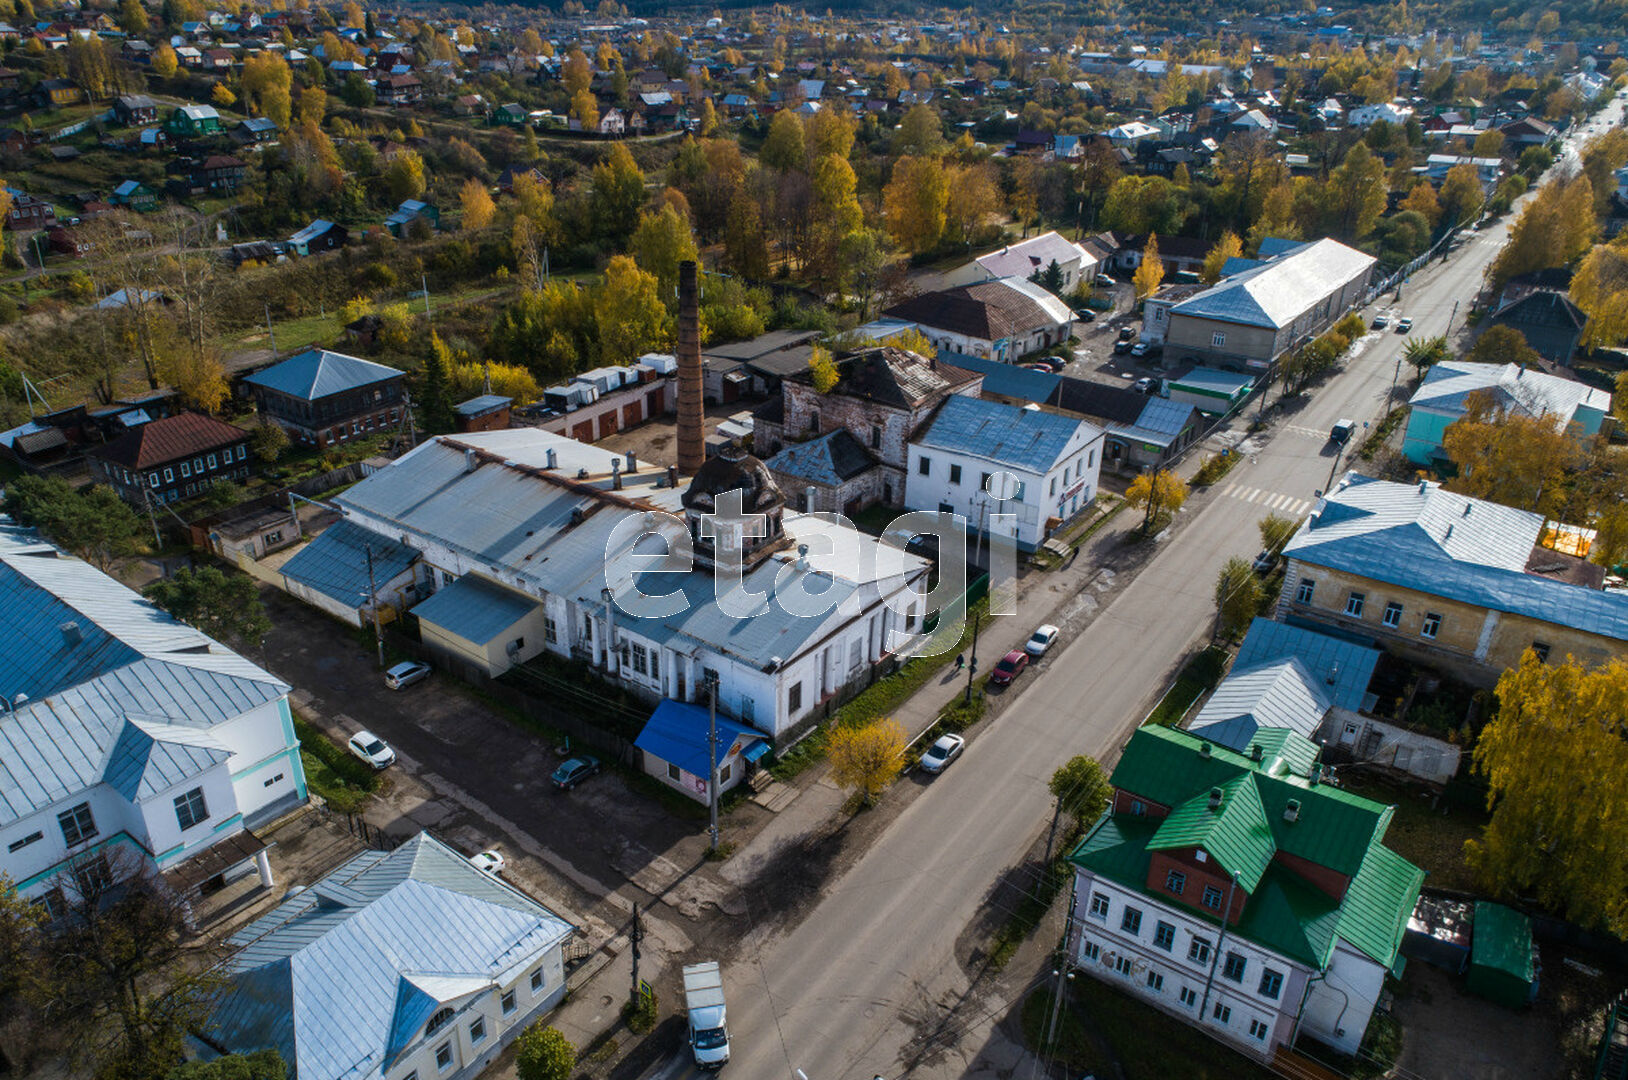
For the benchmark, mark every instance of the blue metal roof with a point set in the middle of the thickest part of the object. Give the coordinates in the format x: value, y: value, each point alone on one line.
x: 321, y: 977
x: 677, y: 733
x: 335, y: 563
x: 1166, y: 417
x: 1214, y: 381
x: 1277, y: 694
x: 1419, y: 536
x: 1273, y: 246
x: 475, y: 608
x: 1344, y: 667
x: 118, y: 691
x: 1007, y: 380
x: 318, y: 373
x: 485, y: 403
x: 832, y: 459
x: 1026, y: 439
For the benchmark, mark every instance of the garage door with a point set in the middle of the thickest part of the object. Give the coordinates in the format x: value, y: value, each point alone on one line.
x: 583, y: 432
x: 630, y: 414
x: 607, y: 424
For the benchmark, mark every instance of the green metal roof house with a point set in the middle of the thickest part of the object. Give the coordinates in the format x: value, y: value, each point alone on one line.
x: 1503, y: 965
x: 1240, y: 891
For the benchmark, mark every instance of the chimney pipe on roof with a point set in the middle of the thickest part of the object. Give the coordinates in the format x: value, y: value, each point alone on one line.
x: 692, y: 449
x: 1204, y: 750
x: 1215, y: 799
x: 632, y: 462
x: 616, y: 474
x: 1256, y: 753
x: 808, y: 499
x: 672, y: 476
x: 1424, y: 487
x: 552, y: 460
x: 470, y: 461
x: 71, y: 634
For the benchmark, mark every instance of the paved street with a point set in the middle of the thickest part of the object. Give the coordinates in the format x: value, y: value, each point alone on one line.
x: 847, y: 993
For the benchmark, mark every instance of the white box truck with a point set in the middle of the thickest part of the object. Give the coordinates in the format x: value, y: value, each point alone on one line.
x: 704, y: 1006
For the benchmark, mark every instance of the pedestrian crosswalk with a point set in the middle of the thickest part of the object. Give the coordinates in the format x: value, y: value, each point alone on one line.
x: 1307, y: 433
x: 1268, y: 500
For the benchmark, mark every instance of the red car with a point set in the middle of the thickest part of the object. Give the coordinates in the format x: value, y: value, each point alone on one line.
x: 1011, y: 665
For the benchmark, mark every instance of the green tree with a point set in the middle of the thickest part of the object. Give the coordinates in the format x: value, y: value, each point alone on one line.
x: 1556, y: 761
x: 225, y: 606
x: 1461, y: 194
x: 357, y: 91
x: 920, y: 133
x: 543, y: 1053
x: 1081, y: 788
x: 784, y: 149
x: 1237, y: 598
x: 1157, y: 493
x: 1354, y: 196
x: 1276, y: 532
x: 1425, y: 353
x: 629, y: 314
x: 866, y: 758
x: 433, y: 386
x: 95, y: 525
x: 260, y: 1065
x: 746, y: 248
x: 404, y: 177
x: 132, y: 17
x: 662, y: 241
x: 268, y: 442
x: 1144, y: 204
x: 1503, y: 345
x: 617, y: 194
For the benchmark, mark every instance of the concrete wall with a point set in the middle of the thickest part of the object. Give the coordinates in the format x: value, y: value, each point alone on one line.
x: 1377, y: 742
x: 616, y: 411
x: 1340, y: 1005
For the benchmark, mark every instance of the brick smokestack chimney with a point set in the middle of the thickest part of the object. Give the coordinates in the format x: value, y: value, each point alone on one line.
x: 692, y: 450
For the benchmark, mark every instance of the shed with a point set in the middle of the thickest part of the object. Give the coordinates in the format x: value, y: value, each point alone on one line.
x: 1210, y: 390
x: 674, y: 744
x: 332, y: 572
x: 478, y: 622
x: 1503, y: 965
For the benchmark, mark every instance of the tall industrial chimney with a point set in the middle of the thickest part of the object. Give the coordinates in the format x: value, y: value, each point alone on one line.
x: 692, y: 449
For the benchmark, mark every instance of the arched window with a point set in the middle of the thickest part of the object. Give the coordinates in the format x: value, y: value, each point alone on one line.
x: 440, y: 1020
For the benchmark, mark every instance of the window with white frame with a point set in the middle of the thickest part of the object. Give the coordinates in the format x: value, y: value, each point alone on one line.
x: 1189, y: 996
x: 443, y: 1056
x: 1164, y: 936
x: 1258, y: 1030
x: 641, y: 660
x: 477, y: 1031
x: 78, y: 825
x: 1099, y: 906
x: 1431, y: 625
x: 1130, y: 921
x: 551, y: 629
x: 1303, y: 593
x: 1156, y: 982
x: 1393, y: 615
x: 1218, y: 339
x: 536, y: 980
x: 1122, y: 964
x: 1222, y: 1012
x: 507, y: 1002
x: 1090, y: 950
x: 190, y: 809
x: 1199, y: 950
x: 1353, y: 604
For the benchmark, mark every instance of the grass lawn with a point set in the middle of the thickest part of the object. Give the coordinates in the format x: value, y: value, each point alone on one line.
x: 1199, y: 676
x: 1432, y: 840
x: 344, y: 783
x: 1148, y: 1044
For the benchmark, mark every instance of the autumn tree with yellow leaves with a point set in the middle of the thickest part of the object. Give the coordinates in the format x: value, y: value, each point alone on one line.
x: 866, y: 759
x: 1556, y: 761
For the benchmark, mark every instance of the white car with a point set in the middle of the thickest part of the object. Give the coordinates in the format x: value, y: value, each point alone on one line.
x: 1041, y: 640
x: 489, y: 862
x: 372, y: 749
x: 941, y: 753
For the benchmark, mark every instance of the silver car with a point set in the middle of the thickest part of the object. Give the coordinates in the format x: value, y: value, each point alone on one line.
x: 939, y: 755
x: 406, y: 674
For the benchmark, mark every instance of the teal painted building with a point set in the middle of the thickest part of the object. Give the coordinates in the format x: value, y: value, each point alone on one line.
x: 1443, y: 398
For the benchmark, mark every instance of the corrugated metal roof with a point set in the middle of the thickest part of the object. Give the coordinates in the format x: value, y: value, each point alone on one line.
x: 321, y: 979
x: 475, y: 608
x: 1027, y: 439
x: 1281, y: 291
x: 1423, y: 537
x: 1378, y: 903
x: 1343, y: 668
x: 1007, y: 380
x: 335, y: 563
x: 1210, y: 380
x: 1448, y: 385
x: 834, y: 458
x: 319, y: 373
x: 485, y: 403
x: 1031, y: 256
x: 1234, y: 833
x: 677, y: 733
x: 1275, y: 694
x: 123, y: 665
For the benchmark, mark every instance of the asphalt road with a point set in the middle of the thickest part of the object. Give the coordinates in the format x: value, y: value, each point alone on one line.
x: 850, y: 992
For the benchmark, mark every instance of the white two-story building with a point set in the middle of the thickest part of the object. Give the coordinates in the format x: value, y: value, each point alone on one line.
x: 1052, y: 464
x: 128, y: 741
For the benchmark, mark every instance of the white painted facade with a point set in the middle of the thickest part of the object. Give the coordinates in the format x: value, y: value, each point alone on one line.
x: 953, y: 482
x: 1191, y: 978
x: 534, y: 985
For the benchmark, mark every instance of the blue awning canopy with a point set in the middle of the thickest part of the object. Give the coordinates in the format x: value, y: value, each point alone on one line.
x: 757, y: 750
x: 677, y: 734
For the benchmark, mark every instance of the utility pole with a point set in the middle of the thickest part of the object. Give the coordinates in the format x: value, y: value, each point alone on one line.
x: 147, y: 497
x: 424, y: 281
x: 634, y: 936
x: 373, y: 592
x: 1451, y: 317
x: 1062, y: 972
x: 972, y: 668
x: 270, y: 334
x: 712, y: 758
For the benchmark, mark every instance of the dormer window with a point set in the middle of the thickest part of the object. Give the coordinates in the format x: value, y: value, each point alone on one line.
x: 440, y: 1020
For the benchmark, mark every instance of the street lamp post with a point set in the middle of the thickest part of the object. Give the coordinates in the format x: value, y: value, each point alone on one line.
x: 972, y: 668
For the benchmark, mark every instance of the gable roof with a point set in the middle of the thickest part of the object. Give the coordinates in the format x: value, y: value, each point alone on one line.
x: 116, y: 690
x: 475, y: 608
x: 1031, y: 256
x: 986, y: 311
x: 1342, y: 668
x: 899, y: 378
x: 338, y: 976
x: 335, y: 563
x: 1025, y: 438
x: 319, y: 373
x: 1274, y: 295
x: 832, y: 459
x: 1423, y: 537
x: 677, y: 733
x: 1448, y: 385
x: 170, y: 439
x: 1276, y: 694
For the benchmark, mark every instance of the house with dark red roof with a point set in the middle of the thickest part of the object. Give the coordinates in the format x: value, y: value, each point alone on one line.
x: 172, y: 459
